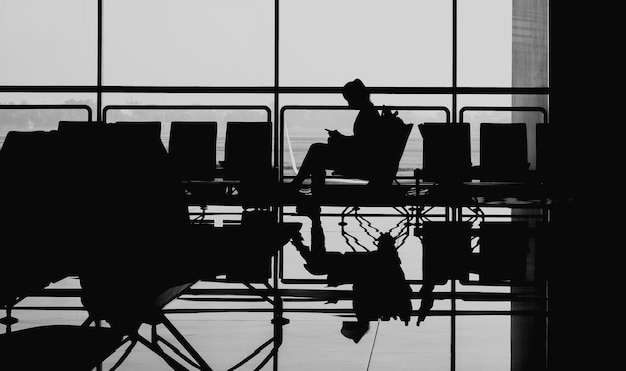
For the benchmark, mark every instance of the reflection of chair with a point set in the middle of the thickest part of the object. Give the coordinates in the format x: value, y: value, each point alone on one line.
x: 503, y: 250
x: 192, y: 148
x: 503, y: 152
x: 446, y: 251
x: 247, y: 150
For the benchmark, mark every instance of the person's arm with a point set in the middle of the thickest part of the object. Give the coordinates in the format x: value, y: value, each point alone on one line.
x: 337, y: 138
x: 334, y: 133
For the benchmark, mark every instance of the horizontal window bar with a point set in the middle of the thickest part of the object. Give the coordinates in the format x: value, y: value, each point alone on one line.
x: 265, y: 89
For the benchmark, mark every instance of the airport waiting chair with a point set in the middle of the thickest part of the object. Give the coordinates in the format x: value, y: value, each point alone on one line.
x: 247, y: 150
x: 112, y: 203
x: 192, y: 148
x: 136, y: 255
x: 150, y: 252
x: 503, y: 152
x: 446, y: 167
x: 382, y: 171
x: 247, y: 165
x: 504, y: 174
x: 30, y: 190
x: 136, y: 251
x: 38, y: 251
x: 445, y: 153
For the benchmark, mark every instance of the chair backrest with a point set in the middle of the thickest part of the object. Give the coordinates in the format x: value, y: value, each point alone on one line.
x: 140, y: 128
x: 247, y: 149
x: 503, y: 152
x: 445, y: 152
x: 396, y: 149
x: 70, y: 125
x: 192, y: 148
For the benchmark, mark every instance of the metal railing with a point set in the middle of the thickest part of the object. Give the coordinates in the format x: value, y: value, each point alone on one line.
x: 49, y: 107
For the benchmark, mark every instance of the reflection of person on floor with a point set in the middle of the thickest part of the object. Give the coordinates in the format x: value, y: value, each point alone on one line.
x: 380, y: 290
x: 426, y: 294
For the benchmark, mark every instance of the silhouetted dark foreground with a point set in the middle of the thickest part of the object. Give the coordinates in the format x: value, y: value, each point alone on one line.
x: 102, y: 202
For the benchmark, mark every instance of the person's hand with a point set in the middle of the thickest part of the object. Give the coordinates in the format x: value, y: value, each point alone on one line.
x: 333, y: 133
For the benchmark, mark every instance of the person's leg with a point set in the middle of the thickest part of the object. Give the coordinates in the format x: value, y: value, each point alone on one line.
x: 314, y: 165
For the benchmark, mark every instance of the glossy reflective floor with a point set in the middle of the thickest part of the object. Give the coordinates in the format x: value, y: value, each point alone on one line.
x: 471, y: 326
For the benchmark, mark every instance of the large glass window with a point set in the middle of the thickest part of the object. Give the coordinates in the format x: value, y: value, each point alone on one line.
x: 385, y: 43
x: 484, y: 43
x: 48, y: 42
x: 188, y: 43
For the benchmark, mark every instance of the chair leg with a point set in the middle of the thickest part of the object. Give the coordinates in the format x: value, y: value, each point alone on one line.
x: 186, y: 345
x: 126, y: 353
x: 166, y: 357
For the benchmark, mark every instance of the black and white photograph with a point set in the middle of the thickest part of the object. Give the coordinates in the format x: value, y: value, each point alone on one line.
x: 280, y: 185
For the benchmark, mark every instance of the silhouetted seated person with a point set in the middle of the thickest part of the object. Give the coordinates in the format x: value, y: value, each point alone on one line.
x: 344, y: 153
x: 379, y: 286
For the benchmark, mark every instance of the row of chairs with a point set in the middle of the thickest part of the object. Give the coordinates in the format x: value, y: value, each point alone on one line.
x: 105, y: 205
x: 192, y: 146
x: 446, y: 150
x: 503, y: 152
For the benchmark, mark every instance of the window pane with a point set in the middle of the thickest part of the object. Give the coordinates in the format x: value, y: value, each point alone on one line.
x: 484, y: 43
x: 188, y: 42
x: 385, y: 43
x: 48, y: 42
x: 22, y: 119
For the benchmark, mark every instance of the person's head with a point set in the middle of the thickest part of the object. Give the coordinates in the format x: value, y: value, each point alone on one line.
x: 356, y: 94
x: 386, y: 242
